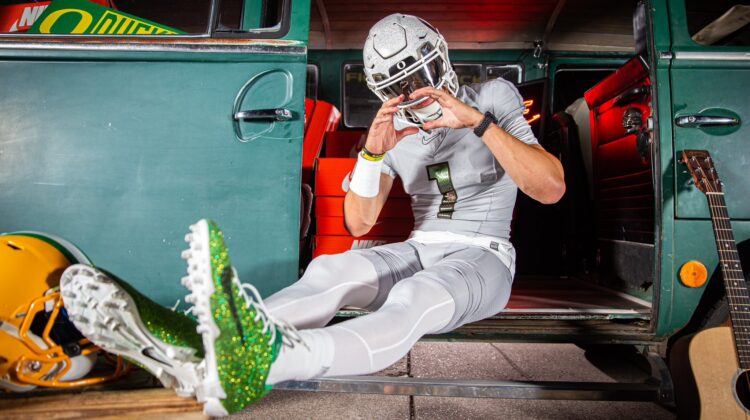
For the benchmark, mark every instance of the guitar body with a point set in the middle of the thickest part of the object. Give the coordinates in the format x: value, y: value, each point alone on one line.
x: 719, y: 358
x: 703, y: 368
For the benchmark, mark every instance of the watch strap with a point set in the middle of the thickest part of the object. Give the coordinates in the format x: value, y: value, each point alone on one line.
x: 485, y: 124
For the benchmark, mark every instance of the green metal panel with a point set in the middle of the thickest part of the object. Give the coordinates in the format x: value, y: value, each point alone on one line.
x: 725, y: 93
x: 664, y: 235
x: 300, y: 21
x: 687, y: 87
x: 252, y: 13
x: 119, y: 155
x: 694, y: 241
x: 716, y: 85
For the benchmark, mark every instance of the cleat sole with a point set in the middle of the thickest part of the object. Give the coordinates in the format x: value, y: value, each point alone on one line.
x: 119, y: 330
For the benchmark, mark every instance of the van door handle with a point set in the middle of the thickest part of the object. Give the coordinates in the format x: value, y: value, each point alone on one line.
x: 278, y: 114
x: 698, y: 121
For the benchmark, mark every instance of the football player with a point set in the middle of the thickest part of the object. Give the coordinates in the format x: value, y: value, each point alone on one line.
x: 462, y: 152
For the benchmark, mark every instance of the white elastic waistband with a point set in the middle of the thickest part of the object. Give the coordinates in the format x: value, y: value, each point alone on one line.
x: 501, y: 248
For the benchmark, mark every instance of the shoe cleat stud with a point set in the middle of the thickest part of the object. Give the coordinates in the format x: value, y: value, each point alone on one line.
x: 92, y: 286
x: 189, y: 238
x: 111, y: 305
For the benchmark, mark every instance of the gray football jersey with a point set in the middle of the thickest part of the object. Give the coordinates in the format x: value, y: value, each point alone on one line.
x: 454, y: 181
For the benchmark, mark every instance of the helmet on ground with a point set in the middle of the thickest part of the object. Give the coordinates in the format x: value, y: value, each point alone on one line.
x: 39, y: 346
x: 403, y: 53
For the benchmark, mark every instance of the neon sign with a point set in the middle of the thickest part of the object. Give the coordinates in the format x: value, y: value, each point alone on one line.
x: 528, y: 104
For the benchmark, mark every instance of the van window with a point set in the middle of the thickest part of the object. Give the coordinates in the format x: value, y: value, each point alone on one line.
x: 311, y: 92
x: 154, y: 17
x: 572, y: 82
x: 359, y: 104
x: 509, y: 72
x: 718, y: 22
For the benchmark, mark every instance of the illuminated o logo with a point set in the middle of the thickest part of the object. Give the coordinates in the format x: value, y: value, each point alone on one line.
x: 81, y: 26
x: 401, y: 65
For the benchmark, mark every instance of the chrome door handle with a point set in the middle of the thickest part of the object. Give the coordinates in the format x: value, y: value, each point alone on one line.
x: 698, y: 121
x: 278, y: 114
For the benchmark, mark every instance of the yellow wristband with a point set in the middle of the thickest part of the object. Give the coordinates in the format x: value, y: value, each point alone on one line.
x: 372, y: 157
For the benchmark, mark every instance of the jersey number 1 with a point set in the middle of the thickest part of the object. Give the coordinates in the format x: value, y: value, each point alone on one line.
x: 441, y: 173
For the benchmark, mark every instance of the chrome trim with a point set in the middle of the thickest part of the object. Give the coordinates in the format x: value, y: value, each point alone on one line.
x: 198, y: 45
x: 712, y: 55
x: 278, y: 114
x: 545, y: 390
x: 699, y: 121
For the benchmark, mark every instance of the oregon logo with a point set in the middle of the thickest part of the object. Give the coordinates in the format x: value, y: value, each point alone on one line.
x: 109, y: 23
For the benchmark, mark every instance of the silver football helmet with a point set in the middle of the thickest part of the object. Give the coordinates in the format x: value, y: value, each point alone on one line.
x: 403, y: 53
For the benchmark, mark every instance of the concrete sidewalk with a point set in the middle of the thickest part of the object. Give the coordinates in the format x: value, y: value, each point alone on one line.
x: 538, y: 362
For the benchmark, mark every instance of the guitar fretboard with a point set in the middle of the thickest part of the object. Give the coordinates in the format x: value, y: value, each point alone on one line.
x: 734, y: 280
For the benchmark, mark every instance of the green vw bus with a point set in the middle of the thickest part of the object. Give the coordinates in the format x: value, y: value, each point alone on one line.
x: 122, y: 122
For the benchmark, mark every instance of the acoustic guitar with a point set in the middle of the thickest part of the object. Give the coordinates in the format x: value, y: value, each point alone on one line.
x: 719, y: 358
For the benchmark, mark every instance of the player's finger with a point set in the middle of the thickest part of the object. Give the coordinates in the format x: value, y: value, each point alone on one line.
x: 383, y: 119
x: 393, y: 101
x: 388, y: 111
x: 438, y: 123
x: 408, y: 131
x: 428, y: 91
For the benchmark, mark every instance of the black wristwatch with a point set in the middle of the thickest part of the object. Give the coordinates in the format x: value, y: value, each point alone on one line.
x: 485, y: 124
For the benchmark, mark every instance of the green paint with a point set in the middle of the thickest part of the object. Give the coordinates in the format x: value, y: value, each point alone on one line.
x: 138, y: 150
x: 83, y: 17
x: 299, y: 29
x: 441, y: 173
x: 252, y: 14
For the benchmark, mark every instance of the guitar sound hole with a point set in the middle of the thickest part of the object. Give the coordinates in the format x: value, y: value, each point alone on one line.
x: 742, y: 389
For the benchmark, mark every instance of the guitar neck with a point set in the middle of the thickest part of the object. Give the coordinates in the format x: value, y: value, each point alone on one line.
x: 734, y: 280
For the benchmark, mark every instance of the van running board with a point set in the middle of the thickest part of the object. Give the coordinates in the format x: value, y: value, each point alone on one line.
x: 657, y: 389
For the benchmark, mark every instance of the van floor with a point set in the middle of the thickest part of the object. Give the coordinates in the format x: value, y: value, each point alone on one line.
x: 562, y: 298
x: 571, y: 296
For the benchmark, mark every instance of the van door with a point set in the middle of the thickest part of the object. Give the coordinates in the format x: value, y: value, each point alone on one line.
x: 709, y: 76
x: 709, y: 110
x: 118, y: 141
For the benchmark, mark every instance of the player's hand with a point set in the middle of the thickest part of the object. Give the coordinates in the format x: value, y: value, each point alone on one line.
x: 456, y: 114
x: 383, y: 136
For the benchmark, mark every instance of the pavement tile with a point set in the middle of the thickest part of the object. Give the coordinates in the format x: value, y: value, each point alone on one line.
x: 291, y: 405
x: 437, y: 408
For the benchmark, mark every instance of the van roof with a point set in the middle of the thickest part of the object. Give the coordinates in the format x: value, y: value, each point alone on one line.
x: 567, y: 25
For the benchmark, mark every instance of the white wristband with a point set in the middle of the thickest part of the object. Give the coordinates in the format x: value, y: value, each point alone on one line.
x: 366, y: 177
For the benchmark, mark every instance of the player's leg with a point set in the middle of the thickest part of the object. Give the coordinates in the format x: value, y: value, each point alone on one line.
x: 414, y: 307
x: 466, y: 286
x: 360, y: 278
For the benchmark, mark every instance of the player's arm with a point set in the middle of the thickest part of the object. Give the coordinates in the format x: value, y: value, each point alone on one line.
x: 536, y: 172
x: 361, y: 213
x: 369, y: 187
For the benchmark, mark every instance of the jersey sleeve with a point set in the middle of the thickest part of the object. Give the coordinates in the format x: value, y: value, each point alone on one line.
x: 506, y: 104
x: 387, y: 167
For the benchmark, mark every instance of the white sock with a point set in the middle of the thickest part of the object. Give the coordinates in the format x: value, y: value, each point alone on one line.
x: 302, y: 361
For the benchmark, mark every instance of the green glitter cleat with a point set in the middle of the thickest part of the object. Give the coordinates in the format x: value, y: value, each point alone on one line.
x: 240, y: 338
x: 115, y: 317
